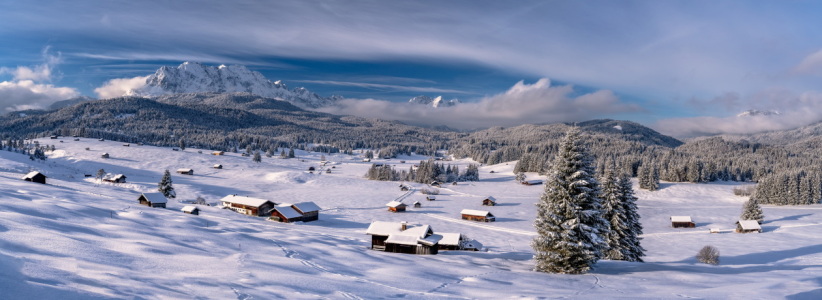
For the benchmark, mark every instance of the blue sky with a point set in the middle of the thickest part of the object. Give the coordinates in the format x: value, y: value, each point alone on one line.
x: 683, y: 67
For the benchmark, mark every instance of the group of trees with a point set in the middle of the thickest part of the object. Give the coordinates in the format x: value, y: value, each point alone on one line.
x: 424, y: 172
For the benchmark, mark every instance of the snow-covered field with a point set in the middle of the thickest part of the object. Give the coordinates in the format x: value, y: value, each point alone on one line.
x: 75, y: 238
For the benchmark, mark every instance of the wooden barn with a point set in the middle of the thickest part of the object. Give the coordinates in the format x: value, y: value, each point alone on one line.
x: 682, y: 222
x: 748, y: 226
x: 248, y: 205
x: 489, y: 201
x: 153, y: 200
x: 532, y: 182
x: 430, y: 197
x: 477, y: 215
x: 35, y: 176
x: 115, y: 178
x: 396, y: 206
x: 417, y: 204
x: 218, y: 166
x: 309, y: 210
x: 457, y: 241
x: 218, y: 153
x: 435, y: 183
x: 398, y: 237
x: 285, y: 213
x: 104, y: 155
x: 185, y: 171
x: 190, y: 209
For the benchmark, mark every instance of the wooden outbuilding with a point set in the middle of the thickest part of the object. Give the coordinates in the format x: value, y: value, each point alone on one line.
x: 477, y: 215
x: 248, y: 205
x: 417, y: 204
x: 285, y: 213
x: 532, y: 182
x: 396, y: 206
x: 190, y: 209
x: 430, y: 197
x: 435, y: 183
x: 104, y: 155
x: 126, y: 145
x: 682, y: 222
x: 115, y: 178
x: 489, y: 201
x: 35, y: 176
x: 153, y: 200
x: 457, y: 241
x: 218, y: 153
x: 398, y: 237
x: 748, y: 226
x: 403, y: 188
x: 309, y: 210
x: 218, y: 166
x: 185, y: 171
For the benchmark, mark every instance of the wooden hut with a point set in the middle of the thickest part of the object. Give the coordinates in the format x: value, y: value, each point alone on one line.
x: 115, y: 178
x: 532, y: 182
x: 285, y: 213
x: 35, y: 176
x: 218, y: 166
x: 451, y: 241
x: 682, y: 222
x: 398, y: 237
x: 190, y: 209
x: 153, y: 200
x: 104, y: 155
x: 748, y: 226
x: 435, y: 183
x: 430, y: 197
x: 489, y: 201
x: 477, y: 215
x: 403, y: 188
x: 396, y: 206
x: 248, y: 205
x: 185, y: 171
x: 309, y: 210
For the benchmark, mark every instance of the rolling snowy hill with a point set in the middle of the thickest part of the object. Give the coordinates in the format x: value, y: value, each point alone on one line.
x: 76, y: 238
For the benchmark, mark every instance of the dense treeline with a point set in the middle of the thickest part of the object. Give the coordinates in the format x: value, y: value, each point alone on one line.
x: 425, y: 172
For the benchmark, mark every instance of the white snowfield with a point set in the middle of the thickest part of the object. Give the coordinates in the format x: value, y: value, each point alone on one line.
x: 78, y: 238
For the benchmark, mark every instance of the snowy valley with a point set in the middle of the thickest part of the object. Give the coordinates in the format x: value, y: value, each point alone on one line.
x: 78, y: 238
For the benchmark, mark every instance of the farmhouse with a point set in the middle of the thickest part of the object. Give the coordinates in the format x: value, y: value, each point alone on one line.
x: 748, y: 226
x: 399, y: 238
x: 532, y: 182
x: 682, y: 222
x: 477, y: 215
x: 457, y: 241
x: 309, y: 210
x: 396, y: 206
x: 115, y: 178
x: 489, y: 201
x: 285, y: 213
x: 218, y: 166
x: 190, y: 209
x: 248, y: 205
x: 35, y: 176
x: 153, y: 200
x: 185, y: 171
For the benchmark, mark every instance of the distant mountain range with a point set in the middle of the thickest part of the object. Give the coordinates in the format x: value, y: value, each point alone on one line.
x: 434, y: 102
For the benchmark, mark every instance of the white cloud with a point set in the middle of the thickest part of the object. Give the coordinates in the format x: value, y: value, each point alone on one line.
x: 523, y: 103
x: 119, y: 87
x: 26, y: 94
x: 810, y: 64
x: 39, y: 73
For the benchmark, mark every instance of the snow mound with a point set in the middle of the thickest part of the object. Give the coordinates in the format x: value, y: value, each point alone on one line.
x: 287, y: 177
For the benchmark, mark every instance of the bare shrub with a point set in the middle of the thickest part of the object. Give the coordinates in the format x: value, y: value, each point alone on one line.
x: 708, y: 255
x: 744, y: 190
x: 430, y: 191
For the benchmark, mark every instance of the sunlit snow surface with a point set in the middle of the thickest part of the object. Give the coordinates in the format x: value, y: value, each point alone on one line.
x: 75, y: 238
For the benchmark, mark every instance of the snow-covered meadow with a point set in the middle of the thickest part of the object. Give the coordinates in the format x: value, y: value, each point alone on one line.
x: 77, y: 238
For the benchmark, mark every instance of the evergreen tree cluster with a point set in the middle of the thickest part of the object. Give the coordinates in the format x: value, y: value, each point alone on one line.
x: 648, y: 177
x: 426, y: 172
x: 795, y: 187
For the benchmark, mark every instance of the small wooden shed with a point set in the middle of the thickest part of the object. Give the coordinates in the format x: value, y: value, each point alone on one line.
x: 477, y: 215
x: 191, y: 209
x: 430, y: 197
x: 218, y: 166
x: 285, y: 213
x: 218, y: 153
x: 682, y: 222
x: 153, y: 200
x: 35, y: 176
x: 248, y: 205
x: 396, y: 206
x: 115, y: 178
x: 104, y: 155
x: 185, y: 171
x: 489, y: 201
x: 532, y: 182
x: 417, y: 204
x: 435, y: 183
x: 748, y: 226
x: 309, y: 210
x: 403, y: 188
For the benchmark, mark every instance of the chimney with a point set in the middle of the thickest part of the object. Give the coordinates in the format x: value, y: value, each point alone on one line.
x: 403, y: 226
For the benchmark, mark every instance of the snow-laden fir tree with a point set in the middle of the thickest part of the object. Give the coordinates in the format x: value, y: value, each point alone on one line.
x: 256, y: 158
x: 291, y: 152
x: 614, y: 212
x: 752, y: 211
x: 632, y: 250
x: 569, y: 219
x: 520, y: 177
x: 165, y: 186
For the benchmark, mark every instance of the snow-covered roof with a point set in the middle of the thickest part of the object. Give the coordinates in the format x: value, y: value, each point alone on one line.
x: 491, y: 198
x: 684, y: 219
x: 402, y: 239
x: 188, y: 208
x: 432, y: 197
x: 749, y: 225
x: 306, y: 206
x: 474, y: 212
x: 288, y: 211
x: 31, y: 175
x: 155, y: 197
x: 472, y: 244
x: 534, y: 182
x: 384, y: 228
x: 431, y: 240
x: 184, y: 170
x: 414, y: 235
x: 248, y: 201
x: 110, y: 176
x: 395, y: 204
x: 218, y: 165
x: 450, y: 238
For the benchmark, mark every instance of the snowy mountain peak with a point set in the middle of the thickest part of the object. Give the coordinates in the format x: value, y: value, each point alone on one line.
x: 754, y: 112
x: 194, y: 77
x: 433, y: 102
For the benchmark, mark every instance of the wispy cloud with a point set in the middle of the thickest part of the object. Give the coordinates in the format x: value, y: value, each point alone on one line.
x: 391, y: 87
x: 120, y: 86
x: 29, y: 87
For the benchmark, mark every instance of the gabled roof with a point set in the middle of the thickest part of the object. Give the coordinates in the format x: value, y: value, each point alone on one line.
x: 185, y: 170
x: 491, y: 198
x: 189, y: 208
x: 431, y: 240
x: 155, y: 197
x: 473, y: 212
x: 472, y: 244
x: 683, y: 219
x: 749, y: 225
x: 402, y: 239
x: 414, y: 235
x: 110, y: 176
x: 431, y: 197
x: 450, y: 238
x: 288, y: 211
x: 248, y: 201
x: 305, y: 207
x: 384, y: 228
x: 395, y: 204
x: 32, y: 174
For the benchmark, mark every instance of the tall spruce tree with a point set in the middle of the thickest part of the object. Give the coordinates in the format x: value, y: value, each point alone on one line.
x: 752, y: 211
x: 569, y: 219
x: 614, y: 213
x: 165, y: 186
x: 256, y: 157
x: 632, y: 250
